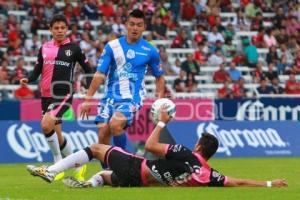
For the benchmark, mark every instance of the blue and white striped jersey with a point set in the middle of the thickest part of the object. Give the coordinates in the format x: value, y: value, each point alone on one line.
x: 125, y: 66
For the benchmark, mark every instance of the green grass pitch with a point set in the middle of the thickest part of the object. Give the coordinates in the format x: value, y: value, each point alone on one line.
x: 17, y: 184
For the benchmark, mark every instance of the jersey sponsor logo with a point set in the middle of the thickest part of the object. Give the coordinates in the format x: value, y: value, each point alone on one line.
x: 176, y: 148
x: 127, y: 67
x: 168, y: 176
x: 155, y: 172
x: 181, y: 179
x: 68, y: 52
x: 140, y: 53
x: 146, y: 48
x: 32, y: 145
x: 126, y: 73
x: 186, y: 176
x: 233, y: 138
x: 56, y: 62
x: 130, y: 54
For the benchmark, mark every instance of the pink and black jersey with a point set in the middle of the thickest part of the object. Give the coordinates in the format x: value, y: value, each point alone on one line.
x: 182, y: 167
x: 56, y: 63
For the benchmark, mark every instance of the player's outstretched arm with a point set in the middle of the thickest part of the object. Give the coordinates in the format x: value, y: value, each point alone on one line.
x: 98, y: 79
x: 234, y: 182
x: 152, y: 144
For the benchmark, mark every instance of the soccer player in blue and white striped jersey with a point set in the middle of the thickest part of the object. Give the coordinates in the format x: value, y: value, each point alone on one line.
x: 122, y: 66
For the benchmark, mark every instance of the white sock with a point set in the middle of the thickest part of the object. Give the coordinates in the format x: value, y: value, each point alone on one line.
x: 67, y: 149
x: 54, y: 146
x: 96, y: 180
x: 74, y: 160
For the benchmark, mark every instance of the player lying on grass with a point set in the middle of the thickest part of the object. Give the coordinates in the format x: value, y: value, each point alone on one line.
x: 178, y: 167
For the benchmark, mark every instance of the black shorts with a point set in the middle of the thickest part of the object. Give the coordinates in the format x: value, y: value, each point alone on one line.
x: 126, y: 167
x: 56, y: 106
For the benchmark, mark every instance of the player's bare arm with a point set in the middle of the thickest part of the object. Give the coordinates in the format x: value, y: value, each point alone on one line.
x: 234, y: 182
x: 98, y: 79
x: 160, y: 86
x: 152, y: 144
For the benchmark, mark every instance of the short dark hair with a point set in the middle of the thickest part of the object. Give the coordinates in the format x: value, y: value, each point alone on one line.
x: 136, y: 13
x: 58, y: 18
x: 209, y: 145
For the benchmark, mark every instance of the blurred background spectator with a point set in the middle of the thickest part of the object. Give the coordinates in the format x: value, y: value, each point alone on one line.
x: 221, y: 76
x: 264, y: 87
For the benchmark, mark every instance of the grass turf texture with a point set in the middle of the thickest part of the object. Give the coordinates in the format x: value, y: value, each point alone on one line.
x: 16, y: 183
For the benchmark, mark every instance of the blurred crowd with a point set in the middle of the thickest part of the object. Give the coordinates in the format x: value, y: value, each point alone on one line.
x: 214, y: 42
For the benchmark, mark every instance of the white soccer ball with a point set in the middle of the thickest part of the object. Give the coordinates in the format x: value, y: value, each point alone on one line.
x: 170, y: 107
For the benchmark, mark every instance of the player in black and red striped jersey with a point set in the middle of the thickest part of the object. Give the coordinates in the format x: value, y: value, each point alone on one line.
x: 178, y: 166
x: 56, y: 63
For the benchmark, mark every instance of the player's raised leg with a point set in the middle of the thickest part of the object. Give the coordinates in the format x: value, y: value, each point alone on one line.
x: 74, y: 160
x: 66, y: 150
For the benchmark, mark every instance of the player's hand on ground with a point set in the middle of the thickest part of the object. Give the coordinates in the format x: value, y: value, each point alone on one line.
x: 23, y: 81
x: 85, y: 109
x: 279, y: 183
x: 163, y: 114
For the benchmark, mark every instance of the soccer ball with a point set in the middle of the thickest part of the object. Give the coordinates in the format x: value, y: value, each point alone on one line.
x: 170, y: 106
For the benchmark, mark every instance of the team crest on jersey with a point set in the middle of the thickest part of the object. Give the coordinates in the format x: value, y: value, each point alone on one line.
x: 68, y: 52
x: 130, y: 54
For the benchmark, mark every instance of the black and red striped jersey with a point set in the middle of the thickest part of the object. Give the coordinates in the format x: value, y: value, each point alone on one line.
x: 182, y: 167
x: 56, y: 64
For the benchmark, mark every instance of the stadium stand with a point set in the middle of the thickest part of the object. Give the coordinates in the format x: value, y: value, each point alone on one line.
x: 285, y: 28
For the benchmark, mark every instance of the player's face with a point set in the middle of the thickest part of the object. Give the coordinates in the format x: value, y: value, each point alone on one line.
x: 135, y: 28
x: 59, y: 31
